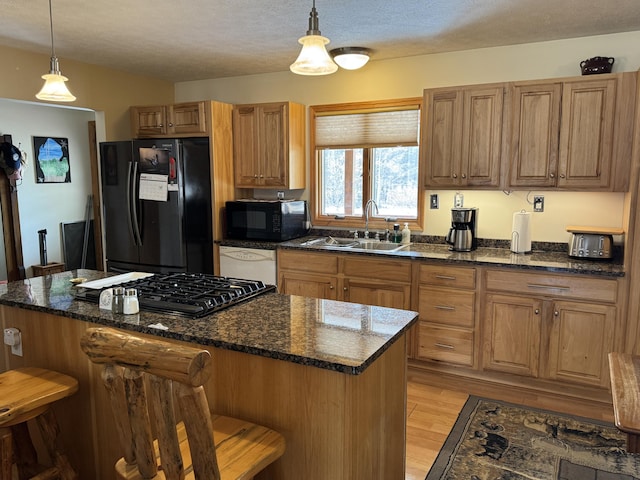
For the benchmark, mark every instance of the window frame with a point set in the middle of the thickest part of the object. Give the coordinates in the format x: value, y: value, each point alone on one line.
x: 375, y: 223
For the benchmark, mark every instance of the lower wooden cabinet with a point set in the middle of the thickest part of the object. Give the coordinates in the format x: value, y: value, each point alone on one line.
x: 445, y: 344
x: 309, y: 285
x: 351, y: 278
x: 540, y: 330
x: 512, y: 334
x: 581, y: 337
x: 446, y: 303
x: 542, y: 336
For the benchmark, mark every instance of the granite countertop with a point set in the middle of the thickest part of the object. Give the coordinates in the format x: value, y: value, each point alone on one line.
x: 551, y: 261
x: 340, y: 336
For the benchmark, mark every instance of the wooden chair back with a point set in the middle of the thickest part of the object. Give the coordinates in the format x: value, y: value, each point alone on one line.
x: 151, y: 382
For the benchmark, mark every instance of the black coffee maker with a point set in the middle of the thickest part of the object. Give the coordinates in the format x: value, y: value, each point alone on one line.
x: 462, y: 236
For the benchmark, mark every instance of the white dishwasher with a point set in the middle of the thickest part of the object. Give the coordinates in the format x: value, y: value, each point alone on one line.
x: 248, y: 263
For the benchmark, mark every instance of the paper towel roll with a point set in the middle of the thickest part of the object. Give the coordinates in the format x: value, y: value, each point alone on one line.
x: 521, y: 232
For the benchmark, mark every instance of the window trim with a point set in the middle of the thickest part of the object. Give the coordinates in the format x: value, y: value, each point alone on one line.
x: 378, y: 223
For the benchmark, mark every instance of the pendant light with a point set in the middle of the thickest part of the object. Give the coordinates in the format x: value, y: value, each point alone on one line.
x: 54, y: 88
x: 351, y: 58
x: 313, y: 58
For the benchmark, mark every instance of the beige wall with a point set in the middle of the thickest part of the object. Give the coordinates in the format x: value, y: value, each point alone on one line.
x: 407, y: 77
x: 96, y: 88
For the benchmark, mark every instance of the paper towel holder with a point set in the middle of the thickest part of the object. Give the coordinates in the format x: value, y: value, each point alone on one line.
x: 519, y: 244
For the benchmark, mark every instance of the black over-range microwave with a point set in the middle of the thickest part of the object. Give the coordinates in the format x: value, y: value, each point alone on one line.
x: 271, y: 220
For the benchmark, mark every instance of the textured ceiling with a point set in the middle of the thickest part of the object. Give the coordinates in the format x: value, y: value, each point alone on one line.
x: 181, y: 40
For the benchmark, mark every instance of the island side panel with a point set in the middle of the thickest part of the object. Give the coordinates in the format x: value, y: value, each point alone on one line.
x: 337, y: 426
x: 53, y: 342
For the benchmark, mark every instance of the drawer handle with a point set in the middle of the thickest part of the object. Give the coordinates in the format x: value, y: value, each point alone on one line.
x: 445, y: 277
x: 443, y: 345
x: 550, y: 287
x: 444, y: 307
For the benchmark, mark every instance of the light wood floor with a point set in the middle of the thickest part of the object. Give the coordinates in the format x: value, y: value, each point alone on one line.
x: 431, y: 413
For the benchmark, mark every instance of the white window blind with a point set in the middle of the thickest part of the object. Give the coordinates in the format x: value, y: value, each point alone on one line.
x: 361, y: 129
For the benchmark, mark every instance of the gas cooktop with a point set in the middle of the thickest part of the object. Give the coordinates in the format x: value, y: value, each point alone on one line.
x: 191, y: 295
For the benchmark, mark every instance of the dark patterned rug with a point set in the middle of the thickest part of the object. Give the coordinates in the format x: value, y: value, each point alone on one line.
x: 494, y: 440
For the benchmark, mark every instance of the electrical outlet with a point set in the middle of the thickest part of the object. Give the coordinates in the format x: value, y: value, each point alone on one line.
x: 13, y: 337
x: 433, y: 201
x: 538, y: 203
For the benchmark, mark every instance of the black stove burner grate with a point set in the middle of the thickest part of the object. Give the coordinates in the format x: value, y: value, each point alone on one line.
x: 191, y: 295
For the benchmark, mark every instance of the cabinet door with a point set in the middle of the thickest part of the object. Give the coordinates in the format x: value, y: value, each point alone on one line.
x: 245, y: 146
x: 149, y: 121
x: 482, y: 136
x: 377, y: 292
x: 273, y: 145
x: 308, y: 285
x: 580, y: 340
x: 535, y: 124
x: 188, y: 118
x: 512, y: 335
x: 586, y: 133
x: 443, y: 131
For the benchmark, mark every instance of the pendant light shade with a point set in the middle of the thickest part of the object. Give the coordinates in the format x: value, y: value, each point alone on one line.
x: 54, y: 88
x: 314, y: 58
x: 351, y: 58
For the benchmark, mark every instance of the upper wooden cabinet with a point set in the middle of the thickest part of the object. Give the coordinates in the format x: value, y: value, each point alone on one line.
x: 180, y: 119
x: 572, y: 133
x: 462, y: 136
x: 269, y: 145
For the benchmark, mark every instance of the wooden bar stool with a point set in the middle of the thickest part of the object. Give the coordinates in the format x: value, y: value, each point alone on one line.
x: 26, y: 394
x: 152, y: 383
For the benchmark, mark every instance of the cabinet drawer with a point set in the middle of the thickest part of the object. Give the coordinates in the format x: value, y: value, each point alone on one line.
x: 445, y: 275
x: 558, y: 286
x: 307, y: 262
x: 448, y: 306
x: 391, y: 270
x: 445, y: 344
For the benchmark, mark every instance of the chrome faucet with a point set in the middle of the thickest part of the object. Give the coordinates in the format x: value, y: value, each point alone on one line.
x: 367, y: 212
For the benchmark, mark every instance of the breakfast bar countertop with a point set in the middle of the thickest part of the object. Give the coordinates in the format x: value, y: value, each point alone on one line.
x: 339, y: 336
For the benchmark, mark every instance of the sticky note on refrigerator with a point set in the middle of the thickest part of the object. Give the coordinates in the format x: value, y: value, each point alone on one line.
x: 153, y: 187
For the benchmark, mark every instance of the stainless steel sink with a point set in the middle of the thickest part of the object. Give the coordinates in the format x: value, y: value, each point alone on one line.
x: 360, y: 244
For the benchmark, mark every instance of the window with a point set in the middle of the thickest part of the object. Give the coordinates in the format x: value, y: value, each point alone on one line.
x: 366, y: 151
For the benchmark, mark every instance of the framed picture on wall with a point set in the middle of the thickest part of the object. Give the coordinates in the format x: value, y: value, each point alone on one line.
x: 52, y: 160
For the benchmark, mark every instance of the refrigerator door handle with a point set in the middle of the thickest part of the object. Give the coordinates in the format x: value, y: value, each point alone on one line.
x: 131, y: 202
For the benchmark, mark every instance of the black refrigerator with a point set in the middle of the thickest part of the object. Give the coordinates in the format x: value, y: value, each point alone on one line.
x: 157, y: 205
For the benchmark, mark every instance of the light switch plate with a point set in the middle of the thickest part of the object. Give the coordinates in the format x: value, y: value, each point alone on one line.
x: 433, y: 201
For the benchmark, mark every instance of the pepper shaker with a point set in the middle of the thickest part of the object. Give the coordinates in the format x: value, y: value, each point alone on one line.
x: 117, y: 301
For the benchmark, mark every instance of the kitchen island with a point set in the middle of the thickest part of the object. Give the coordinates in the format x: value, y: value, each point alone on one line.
x: 330, y: 376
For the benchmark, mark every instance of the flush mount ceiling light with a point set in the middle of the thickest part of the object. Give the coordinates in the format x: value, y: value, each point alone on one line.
x: 313, y: 58
x: 54, y: 88
x: 351, y: 58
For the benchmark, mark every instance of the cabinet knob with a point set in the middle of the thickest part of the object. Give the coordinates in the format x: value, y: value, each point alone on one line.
x: 464, y: 175
x: 170, y: 124
x: 344, y: 288
x: 455, y: 175
x: 330, y: 287
x: 161, y: 125
x: 537, y: 311
x: 255, y: 176
x: 556, y: 313
x: 562, y: 175
x: 552, y: 175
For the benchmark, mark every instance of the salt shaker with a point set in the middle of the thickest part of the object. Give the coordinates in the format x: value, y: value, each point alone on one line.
x: 117, y: 301
x: 131, y: 304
